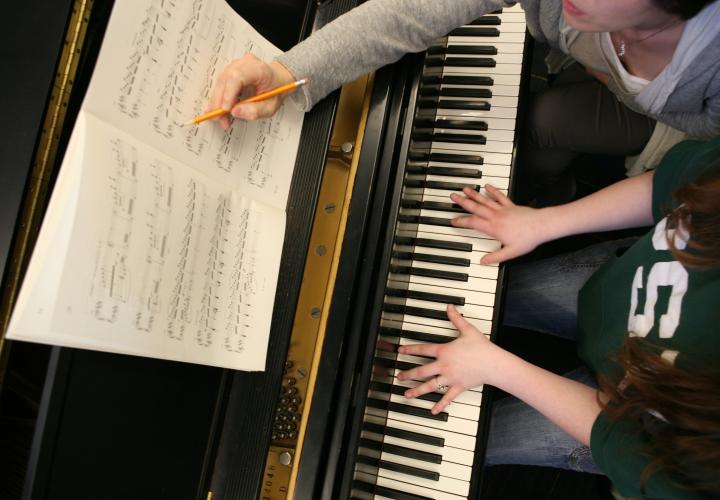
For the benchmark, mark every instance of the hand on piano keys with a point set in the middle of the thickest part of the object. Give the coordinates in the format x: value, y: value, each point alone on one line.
x: 462, y: 364
x: 520, y: 229
x: 246, y: 77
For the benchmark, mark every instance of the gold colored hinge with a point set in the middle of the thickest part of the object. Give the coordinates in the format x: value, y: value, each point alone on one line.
x: 319, y: 277
x: 37, y: 191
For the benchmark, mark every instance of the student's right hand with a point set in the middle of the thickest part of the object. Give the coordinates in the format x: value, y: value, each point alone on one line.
x: 246, y: 77
x: 520, y: 229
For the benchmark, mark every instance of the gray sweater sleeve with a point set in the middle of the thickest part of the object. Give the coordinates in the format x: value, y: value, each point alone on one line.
x: 372, y: 35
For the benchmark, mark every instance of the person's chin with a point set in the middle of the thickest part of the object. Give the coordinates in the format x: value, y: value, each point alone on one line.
x: 581, y: 23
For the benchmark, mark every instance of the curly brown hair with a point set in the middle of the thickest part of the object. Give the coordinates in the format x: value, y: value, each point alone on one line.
x: 684, y: 433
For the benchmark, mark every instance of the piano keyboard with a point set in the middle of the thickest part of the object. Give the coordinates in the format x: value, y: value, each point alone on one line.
x: 462, y: 135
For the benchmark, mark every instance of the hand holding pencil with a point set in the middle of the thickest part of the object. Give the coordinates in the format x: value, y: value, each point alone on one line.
x: 265, y: 86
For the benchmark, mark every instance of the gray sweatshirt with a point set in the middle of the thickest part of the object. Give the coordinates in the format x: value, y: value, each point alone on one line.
x: 380, y: 32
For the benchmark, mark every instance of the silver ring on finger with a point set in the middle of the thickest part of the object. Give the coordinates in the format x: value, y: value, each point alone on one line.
x: 442, y: 389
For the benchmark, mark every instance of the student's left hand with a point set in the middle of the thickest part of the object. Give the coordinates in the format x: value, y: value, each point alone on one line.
x: 464, y: 363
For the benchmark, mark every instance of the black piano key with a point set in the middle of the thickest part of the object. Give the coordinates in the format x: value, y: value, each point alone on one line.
x: 437, y: 90
x: 431, y: 79
x: 389, y: 430
x: 429, y: 273
x: 384, y: 491
x: 450, y: 186
x: 446, y: 157
x: 431, y: 221
x: 475, y: 31
x: 396, y: 467
x: 401, y: 451
x: 423, y: 169
x: 448, y: 104
x: 421, y: 312
x: 430, y: 297
x: 406, y: 409
x: 433, y: 205
x: 437, y: 259
x: 394, y: 363
x: 399, y: 390
x: 449, y: 123
x: 430, y: 243
x: 423, y: 136
x: 485, y: 50
x: 455, y: 61
x: 486, y: 21
x: 413, y: 335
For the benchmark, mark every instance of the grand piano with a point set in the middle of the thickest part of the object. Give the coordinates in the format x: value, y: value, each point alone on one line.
x: 368, y: 263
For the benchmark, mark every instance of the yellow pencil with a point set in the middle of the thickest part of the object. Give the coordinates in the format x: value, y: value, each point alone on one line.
x: 289, y: 87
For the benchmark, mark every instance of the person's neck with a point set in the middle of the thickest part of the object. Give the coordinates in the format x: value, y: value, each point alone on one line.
x: 666, y: 25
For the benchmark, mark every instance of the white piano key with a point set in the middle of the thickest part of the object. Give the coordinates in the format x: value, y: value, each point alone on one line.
x: 444, y: 484
x: 452, y: 439
x: 452, y: 424
x: 458, y: 410
x: 488, y: 157
x: 487, y: 169
x: 515, y: 35
x: 497, y: 90
x: 449, y: 454
x: 473, y: 257
x: 471, y: 397
x: 479, y: 284
x: 507, y: 113
x: 469, y: 181
x: 443, y: 230
x: 502, y: 48
x: 496, y: 101
x: 490, y: 135
x: 468, y: 310
x: 512, y: 16
x: 365, y: 473
x: 446, y: 329
x: 489, y: 147
x: 442, y: 195
x: 483, y: 298
x: 445, y: 469
x: 497, y: 77
x: 474, y: 270
x: 499, y: 58
x: 478, y: 243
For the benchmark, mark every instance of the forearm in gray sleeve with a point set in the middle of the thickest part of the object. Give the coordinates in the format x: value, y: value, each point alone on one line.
x: 371, y: 35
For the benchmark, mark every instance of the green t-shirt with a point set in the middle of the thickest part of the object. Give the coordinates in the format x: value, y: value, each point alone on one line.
x: 648, y: 292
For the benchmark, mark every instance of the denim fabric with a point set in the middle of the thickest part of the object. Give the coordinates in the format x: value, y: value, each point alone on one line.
x: 542, y: 296
x: 519, y: 434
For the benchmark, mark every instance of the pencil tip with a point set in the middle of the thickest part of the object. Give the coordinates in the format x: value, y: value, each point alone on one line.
x: 191, y: 122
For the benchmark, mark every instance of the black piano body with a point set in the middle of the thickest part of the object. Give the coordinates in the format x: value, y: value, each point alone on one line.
x: 111, y: 426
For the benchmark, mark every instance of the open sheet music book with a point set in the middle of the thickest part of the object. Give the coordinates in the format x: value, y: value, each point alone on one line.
x: 162, y: 240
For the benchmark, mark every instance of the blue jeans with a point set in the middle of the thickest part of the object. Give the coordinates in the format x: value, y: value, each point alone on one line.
x: 542, y: 296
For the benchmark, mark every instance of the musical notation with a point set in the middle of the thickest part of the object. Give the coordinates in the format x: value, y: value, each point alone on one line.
x: 175, y: 253
x: 165, y: 241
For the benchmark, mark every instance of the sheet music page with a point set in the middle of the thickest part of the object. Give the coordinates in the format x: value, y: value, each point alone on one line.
x: 161, y: 261
x: 155, y: 72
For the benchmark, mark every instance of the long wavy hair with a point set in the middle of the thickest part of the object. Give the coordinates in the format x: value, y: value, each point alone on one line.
x: 678, y: 408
